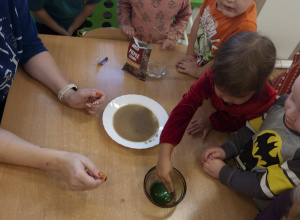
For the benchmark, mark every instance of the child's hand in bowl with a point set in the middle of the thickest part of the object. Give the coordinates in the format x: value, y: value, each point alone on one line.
x: 164, y: 167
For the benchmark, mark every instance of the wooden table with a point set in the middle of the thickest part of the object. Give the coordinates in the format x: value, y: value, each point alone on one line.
x: 35, y: 114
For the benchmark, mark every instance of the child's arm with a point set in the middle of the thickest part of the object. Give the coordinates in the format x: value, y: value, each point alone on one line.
x: 86, y: 11
x: 124, y: 10
x: 212, y: 167
x: 213, y: 153
x: 177, y: 123
x: 245, y: 182
x: 188, y: 64
x: 202, y: 69
x: 190, y: 54
x: 212, y: 158
x: 185, y: 110
x: 263, y: 185
x: 192, y: 39
x: 79, y: 172
x: 236, y: 143
x: 182, y: 18
x: 47, y: 20
x: 193, y: 36
x: 164, y: 165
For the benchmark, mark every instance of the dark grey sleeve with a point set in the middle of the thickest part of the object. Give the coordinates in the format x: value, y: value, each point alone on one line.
x: 237, y: 142
x: 245, y: 182
x: 294, y: 166
x: 253, y: 184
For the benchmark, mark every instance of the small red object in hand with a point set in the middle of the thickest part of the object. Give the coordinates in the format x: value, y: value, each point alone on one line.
x: 99, y: 94
x: 101, y: 175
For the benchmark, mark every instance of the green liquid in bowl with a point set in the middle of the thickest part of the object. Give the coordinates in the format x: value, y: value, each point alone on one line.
x: 159, y: 193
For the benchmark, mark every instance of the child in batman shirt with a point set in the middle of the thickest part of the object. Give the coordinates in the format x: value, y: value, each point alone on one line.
x: 267, y: 152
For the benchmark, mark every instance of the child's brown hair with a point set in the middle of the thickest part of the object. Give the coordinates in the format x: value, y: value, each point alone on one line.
x: 243, y: 64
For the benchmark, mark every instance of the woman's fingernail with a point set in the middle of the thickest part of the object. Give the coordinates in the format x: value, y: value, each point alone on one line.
x: 88, y: 105
x: 101, y: 175
x: 99, y: 94
x: 86, y: 109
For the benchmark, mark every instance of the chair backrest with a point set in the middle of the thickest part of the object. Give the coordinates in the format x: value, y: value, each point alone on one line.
x: 104, y: 15
x: 196, y: 3
x: 107, y: 33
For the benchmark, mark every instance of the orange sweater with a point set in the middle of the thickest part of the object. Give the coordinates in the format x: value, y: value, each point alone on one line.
x: 215, y: 29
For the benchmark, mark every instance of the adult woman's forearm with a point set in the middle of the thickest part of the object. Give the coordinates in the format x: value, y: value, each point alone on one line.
x: 43, y: 68
x: 14, y: 150
x: 71, y: 166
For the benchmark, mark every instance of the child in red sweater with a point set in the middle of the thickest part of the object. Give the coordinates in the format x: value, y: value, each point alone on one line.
x: 237, y: 88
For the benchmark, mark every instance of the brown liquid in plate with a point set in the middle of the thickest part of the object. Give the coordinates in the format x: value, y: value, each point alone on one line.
x: 135, y: 123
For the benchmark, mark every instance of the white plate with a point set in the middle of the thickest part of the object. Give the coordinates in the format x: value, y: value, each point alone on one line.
x: 121, y: 101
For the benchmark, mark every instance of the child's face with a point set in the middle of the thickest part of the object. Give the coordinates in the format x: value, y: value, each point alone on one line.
x: 292, y: 108
x: 231, y: 100
x: 232, y: 8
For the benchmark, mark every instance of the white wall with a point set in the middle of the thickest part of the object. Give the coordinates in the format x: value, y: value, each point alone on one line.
x: 280, y: 21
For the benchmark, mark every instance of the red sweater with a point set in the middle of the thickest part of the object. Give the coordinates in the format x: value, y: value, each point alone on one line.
x: 225, y: 118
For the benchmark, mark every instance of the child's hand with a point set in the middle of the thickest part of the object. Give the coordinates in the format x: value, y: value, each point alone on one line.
x: 200, y: 125
x: 164, y: 169
x: 164, y: 166
x: 213, y: 167
x: 167, y: 44
x: 70, y: 30
x: 91, y: 100
x: 128, y: 30
x: 79, y: 171
x: 213, y: 153
x: 187, y: 57
x: 188, y: 65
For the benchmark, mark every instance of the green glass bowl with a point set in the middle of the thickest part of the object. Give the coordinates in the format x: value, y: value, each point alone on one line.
x: 157, y: 193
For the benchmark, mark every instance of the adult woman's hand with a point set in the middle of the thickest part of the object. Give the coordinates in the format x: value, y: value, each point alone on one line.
x: 78, y: 171
x: 92, y: 100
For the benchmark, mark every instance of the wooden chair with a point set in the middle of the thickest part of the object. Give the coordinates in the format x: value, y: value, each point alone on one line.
x: 107, y: 33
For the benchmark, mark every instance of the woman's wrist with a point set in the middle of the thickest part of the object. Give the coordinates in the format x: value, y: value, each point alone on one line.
x: 67, y: 96
x: 65, y: 92
x: 55, y: 159
x: 45, y: 158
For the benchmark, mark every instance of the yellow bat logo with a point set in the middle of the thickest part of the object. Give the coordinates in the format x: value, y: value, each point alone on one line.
x: 266, y: 149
